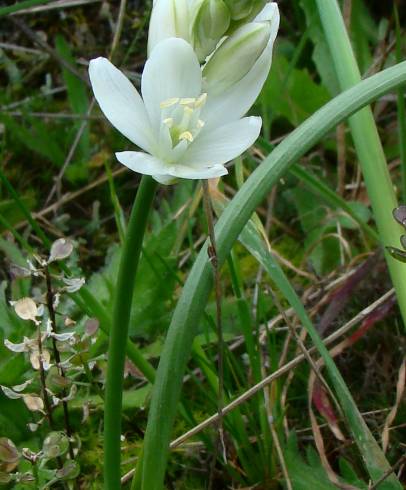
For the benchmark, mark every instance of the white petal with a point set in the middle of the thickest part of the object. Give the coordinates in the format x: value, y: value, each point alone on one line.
x: 142, y: 163
x: 172, y: 71
x: 197, y: 171
x: 165, y: 179
x: 16, y: 347
x: 168, y: 19
x: 10, y: 393
x: 220, y: 145
x: 236, y: 101
x: 120, y: 102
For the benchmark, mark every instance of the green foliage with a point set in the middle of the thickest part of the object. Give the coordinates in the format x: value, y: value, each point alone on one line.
x: 78, y: 101
x: 291, y: 92
x: 150, y: 311
x: 36, y: 138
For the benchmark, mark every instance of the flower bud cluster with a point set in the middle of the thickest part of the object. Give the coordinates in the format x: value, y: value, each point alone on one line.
x: 207, y: 23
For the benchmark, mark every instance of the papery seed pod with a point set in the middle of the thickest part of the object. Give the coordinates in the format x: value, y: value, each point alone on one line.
x: 73, y: 284
x: 55, y: 444
x: 17, y: 271
x: 399, y: 214
x: 8, y: 451
x: 33, y: 403
x: 60, y: 249
x: 55, y: 382
x: 69, y: 471
x: 91, y: 326
x: 26, y: 309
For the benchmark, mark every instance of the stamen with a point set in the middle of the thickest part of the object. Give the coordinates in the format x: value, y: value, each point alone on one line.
x: 188, y: 110
x: 186, y: 135
x: 200, y: 101
x: 169, y: 102
x: 168, y: 122
x: 187, y: 101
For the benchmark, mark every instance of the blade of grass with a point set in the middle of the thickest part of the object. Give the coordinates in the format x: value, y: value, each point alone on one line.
x: 367, y: 143
x: 12, y: 9
x: 191, y: 304
x: 401, y: 105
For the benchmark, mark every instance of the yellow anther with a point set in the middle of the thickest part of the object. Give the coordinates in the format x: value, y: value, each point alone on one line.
x: 169, y: 102
x: 200, y: 101
x: 168, y: 122
x: 188, y: 110
x: 186, y: 135
x: 187, y: 101
x: 200, y: 123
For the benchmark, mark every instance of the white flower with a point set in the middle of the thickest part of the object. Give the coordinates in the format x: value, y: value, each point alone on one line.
x: 185, y: 131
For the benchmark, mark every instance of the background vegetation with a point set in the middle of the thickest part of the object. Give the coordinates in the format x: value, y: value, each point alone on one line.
x: 57, y: 162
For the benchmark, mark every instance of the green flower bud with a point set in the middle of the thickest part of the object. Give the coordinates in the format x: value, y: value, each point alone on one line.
x: 211, y: 22
x: 244, y: 9
x: 236, y: 56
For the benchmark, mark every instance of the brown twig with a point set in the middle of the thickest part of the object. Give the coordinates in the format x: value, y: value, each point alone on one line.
x: 37, y: 40
x: 47, y: 404
x: 212, y: 252
x: 52, y: 318
x: 387, y: 473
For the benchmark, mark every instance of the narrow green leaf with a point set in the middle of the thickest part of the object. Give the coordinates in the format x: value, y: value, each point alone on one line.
x: 11, y: 9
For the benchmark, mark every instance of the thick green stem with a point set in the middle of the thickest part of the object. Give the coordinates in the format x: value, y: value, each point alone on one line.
x: 367, y: 143
x: 119, y: 331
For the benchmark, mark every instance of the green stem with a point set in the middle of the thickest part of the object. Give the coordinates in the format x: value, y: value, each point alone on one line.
x: 367, y: 143
x: 119, y: 330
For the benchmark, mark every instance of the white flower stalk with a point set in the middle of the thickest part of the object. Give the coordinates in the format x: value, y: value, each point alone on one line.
x: 184, y: 132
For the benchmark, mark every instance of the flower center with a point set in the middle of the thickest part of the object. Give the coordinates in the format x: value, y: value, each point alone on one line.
x: 182, y: 117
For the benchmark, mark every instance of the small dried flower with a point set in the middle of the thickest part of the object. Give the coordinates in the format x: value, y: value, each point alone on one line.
x: 34, y: 403
x: 60, y: 249
x: 26, y: 309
